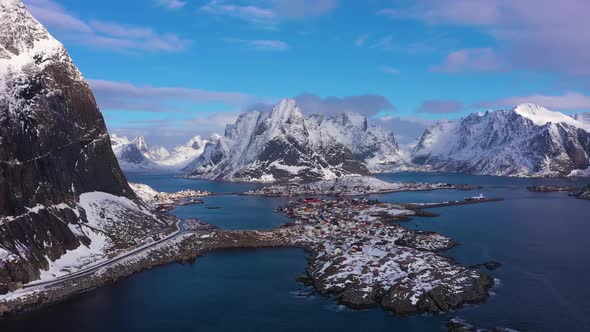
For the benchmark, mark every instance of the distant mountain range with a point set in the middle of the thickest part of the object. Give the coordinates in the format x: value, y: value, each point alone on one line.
x: 136, y: 154
x: 286, y: 145
x: 528, y: 140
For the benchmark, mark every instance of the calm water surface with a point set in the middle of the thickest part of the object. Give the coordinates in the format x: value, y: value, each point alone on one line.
x: 541, y: 239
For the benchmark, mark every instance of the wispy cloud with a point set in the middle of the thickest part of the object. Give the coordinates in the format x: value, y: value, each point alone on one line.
x: 260, y: 44
x: 390, y: 70
x: 103, y: 34
x: 436, y: 106
x: 567, y: 101
x: 130, y: 97
x: 470, y: 60
x: 360, y: 40
x: 542, y: 35
x: 367, y: 105
x: 384, y: 43
x: 170, y: 4
x: 269, y: 13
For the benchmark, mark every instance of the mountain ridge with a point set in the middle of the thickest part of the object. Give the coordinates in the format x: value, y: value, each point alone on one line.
x: 528, y: 140
x: 286, y: 145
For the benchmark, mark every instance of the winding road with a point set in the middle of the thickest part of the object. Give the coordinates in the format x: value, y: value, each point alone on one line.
x: 95, y: 267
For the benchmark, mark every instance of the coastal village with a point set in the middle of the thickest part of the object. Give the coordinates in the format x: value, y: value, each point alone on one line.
x: 349, y: 186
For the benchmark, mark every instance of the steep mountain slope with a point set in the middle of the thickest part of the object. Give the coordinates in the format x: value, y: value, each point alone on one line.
x: 527, y: 141
x: 284, y: 145
x: 373, y: 145
x: 62, y: 194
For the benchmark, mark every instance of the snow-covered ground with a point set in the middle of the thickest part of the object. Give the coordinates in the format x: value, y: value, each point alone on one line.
x: 348, y: 185
x: 151, y: 196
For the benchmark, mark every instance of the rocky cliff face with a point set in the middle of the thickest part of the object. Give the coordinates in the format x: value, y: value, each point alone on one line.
x: 54, y: 150
x: 285, y: 145
x: 526, y: 141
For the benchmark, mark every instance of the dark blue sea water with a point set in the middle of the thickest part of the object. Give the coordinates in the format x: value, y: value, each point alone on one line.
x: 541, y: 240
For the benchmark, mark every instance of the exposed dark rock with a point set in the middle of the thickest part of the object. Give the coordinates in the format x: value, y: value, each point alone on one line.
x: 584, y: 194
x: 491, y: 265
x: 54, y: 146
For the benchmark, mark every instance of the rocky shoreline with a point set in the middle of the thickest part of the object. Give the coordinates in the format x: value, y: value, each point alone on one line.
x: 584, y: 194
x: 548, y: 189
x: 364, y: 260
x: 360, y: 256
x: 350, y: 186
x: 187, y: 248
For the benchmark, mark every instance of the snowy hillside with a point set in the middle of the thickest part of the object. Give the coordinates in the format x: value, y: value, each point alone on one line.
x: 285, y: 145
x: 527, y: 141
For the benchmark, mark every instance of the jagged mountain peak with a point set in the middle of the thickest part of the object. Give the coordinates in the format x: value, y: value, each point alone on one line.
x: 286, y: 108
x: 540, y: 115
x: 20, y: 32
x: 25, y: 44
x: 286, y: 145
x: 139, y: 141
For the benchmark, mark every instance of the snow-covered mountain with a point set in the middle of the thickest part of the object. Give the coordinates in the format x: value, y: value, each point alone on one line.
x: 136, y: 154
x: 371, y: 144
x: 528, y: 140
x: 285, y: 145
x: 182, y: 155
x: 64, y: 201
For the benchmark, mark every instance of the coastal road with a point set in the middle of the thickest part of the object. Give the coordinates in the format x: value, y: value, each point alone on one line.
x: 93, y: 268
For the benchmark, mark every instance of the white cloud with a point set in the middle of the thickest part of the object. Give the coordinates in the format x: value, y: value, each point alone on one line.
x: 390, y: 70
x: 566, y: 101
x: 170, y: 4
x: 269, y: 13
x: 102, y: 34
x: 360, y: 40
x: 130, y: 97
x: 470, y: 60
x: 261, y: 44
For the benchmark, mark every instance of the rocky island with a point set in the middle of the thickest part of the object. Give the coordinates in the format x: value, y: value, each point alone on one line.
x: 362, y: 257
x: 584, y: 194
x: 349, y: 186
x: 547, y: 189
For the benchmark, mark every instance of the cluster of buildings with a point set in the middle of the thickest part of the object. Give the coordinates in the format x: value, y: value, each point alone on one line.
x: 349, y: 224
x: 349, y: 186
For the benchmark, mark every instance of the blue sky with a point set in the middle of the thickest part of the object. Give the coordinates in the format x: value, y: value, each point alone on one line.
x: 170, y: 69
